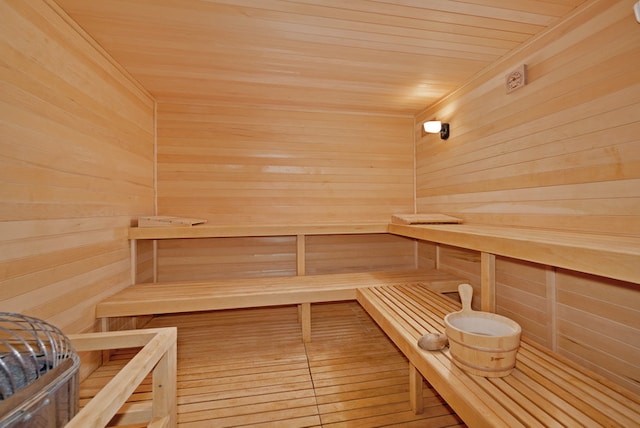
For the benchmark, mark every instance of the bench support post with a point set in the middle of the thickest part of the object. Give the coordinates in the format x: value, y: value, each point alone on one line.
x: 301, y: 256
x: 488, y: 282
x: 305, y: 319
x: 133, y: 259
x: 164, y: 387
x: 415, y: 390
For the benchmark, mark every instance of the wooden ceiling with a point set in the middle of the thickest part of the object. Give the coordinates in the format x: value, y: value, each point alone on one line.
x: 391, y: 56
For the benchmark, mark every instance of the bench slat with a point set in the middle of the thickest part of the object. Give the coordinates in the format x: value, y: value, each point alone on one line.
x: 544, y: 389
x: 582, y: 391
x: 438, y: 370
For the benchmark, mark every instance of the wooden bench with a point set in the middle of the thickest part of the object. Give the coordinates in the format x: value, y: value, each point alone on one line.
x: 609, y: 256
x: 543, y: 390
x: 203, y: 231
x: 193, y: 296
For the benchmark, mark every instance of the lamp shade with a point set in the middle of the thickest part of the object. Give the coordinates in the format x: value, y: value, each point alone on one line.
x: 432, y: 126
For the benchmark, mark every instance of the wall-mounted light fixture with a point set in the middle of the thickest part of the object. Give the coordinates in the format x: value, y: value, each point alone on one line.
x: 435, y: 126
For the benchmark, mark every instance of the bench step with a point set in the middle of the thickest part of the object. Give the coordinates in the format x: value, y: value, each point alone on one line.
x: 192, y: 296
x: 544, y: 389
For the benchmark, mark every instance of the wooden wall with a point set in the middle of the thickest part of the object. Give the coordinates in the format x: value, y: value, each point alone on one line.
x: 277, y: 165
x: 76, y: 167
x: 276, y: 256
x: 562, y: 153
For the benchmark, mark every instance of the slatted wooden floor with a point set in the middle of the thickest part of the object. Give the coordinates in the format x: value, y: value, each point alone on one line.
x: 251, y: 368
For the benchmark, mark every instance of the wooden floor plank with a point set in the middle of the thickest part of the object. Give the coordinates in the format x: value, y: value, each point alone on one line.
x: 250, y: 368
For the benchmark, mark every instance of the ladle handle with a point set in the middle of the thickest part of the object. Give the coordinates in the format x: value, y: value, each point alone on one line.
x: 466, y: 294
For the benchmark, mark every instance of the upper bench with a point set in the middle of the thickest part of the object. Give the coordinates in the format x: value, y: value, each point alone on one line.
x: 616, y: 257
x: 227, y: 231
x: 300, y: 231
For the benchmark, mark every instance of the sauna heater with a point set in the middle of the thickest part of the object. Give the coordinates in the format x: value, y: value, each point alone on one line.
x: 38, y: 374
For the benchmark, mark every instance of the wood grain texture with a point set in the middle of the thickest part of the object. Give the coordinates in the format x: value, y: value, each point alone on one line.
x: 75, y: 167
x: 544, y: 389
x: 599, y: 325
x: 350, y: 374
x: 234, y: 293
x: 201, y: 259
x: 255, y: 256
x: 590, y: 319
x: 392, y: 56
x: 361, y: 253
x: 596, y: 254
x: 248, y: 165
x: 302, y: 112
x: 156, y: 359
x: 561, y: 154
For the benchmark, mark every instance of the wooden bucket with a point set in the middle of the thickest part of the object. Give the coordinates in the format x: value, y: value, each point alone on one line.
x: 481, y: 343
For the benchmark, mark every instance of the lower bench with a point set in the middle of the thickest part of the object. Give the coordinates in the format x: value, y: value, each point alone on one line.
x: 544, y: 389
x: 191, y: 296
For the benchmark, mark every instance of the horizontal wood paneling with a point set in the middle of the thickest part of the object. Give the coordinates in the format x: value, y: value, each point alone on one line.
x: 76, y: 166
x: 196, y: 259
x: 464, y: 264
x: 599, y: 325
x: 358, y: 253
x: 561, y: 153
x: 365, y: 55
x: 592, y: 320
x: 427, y: 255
x: 249, y: 165
x: 521, y: 294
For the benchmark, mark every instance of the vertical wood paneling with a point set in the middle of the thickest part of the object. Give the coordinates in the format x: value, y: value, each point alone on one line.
x: 76, y: 166
x: 562, y: 153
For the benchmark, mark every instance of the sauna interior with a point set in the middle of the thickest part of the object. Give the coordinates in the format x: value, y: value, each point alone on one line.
x: 251, y: 113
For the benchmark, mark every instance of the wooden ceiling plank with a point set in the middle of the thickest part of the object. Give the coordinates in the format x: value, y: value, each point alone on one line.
x: 365, y: 55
